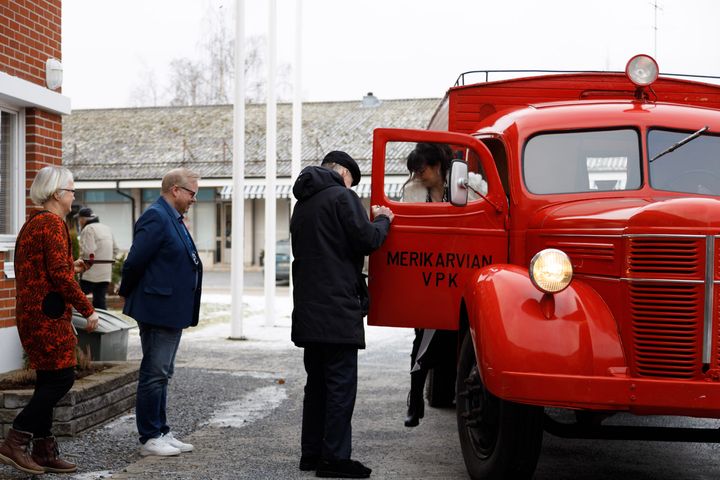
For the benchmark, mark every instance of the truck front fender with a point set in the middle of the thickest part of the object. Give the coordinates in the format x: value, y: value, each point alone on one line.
x: 517, y: 328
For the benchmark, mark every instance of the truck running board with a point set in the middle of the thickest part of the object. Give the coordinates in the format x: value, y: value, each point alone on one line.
x: 622, y: 432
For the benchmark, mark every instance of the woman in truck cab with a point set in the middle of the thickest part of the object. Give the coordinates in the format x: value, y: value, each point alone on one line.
x: 429, y: 164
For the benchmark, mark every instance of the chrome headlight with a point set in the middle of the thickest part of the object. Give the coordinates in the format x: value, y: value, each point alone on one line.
x: 551, y: 270
x: 642, y: 70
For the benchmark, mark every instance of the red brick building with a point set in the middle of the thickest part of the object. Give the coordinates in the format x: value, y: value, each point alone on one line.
x: 31, y: 109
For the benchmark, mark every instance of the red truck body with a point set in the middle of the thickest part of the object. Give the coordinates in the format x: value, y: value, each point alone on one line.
x: 573, y: 162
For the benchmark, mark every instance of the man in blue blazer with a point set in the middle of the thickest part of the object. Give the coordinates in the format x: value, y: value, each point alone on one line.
x: 161, y: 283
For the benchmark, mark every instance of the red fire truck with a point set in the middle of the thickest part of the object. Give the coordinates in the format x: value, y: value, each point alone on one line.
x: 586, y: 279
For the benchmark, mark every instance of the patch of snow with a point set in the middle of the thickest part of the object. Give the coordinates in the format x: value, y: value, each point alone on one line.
x: 253, y: 406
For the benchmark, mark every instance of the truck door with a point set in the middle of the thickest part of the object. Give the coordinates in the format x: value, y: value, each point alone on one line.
x: 416, y: 278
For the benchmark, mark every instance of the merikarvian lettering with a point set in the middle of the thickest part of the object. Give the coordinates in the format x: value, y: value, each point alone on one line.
x: 437, y: 259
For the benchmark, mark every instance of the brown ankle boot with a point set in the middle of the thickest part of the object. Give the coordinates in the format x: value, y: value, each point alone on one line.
x: 14, y: 452
x: 45, y: 452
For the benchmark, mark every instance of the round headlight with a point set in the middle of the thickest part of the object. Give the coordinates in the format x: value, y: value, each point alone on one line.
x: 642, y: 70
x: 551, y: 270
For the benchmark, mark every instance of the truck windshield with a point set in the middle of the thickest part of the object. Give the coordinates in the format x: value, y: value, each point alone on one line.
x: 587, y: 161
x: 692, y: 168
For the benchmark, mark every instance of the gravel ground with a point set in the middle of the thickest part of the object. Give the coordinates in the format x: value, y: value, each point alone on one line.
x: 211, y: 372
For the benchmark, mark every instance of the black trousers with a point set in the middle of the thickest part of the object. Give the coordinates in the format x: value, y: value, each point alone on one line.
x: 50, y: 387
x: 329, y: 401
x: 98, y: 290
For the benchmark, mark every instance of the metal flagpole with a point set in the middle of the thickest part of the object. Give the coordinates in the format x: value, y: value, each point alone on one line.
x: 270, y: 167
x: 238, y: 195
x: 296, y: 162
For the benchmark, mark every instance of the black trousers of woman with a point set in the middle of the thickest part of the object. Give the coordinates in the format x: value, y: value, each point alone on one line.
x: 418, y: 374
x: 50, y: 387
x: 431, y: 349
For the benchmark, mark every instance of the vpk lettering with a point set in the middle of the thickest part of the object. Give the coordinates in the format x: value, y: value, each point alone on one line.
x: 437, y: 278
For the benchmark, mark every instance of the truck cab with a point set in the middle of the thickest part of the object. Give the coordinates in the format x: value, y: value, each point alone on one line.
x: 585, y: 278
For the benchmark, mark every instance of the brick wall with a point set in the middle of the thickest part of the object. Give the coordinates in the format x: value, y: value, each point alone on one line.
x: 29, y: 35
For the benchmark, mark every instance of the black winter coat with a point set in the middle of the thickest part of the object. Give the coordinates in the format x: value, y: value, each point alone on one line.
x: 330, y: 234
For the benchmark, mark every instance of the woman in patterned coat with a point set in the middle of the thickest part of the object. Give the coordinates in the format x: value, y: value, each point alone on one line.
x: 46, y: 292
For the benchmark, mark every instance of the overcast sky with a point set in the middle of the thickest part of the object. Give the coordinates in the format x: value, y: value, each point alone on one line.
x: 394, y: 48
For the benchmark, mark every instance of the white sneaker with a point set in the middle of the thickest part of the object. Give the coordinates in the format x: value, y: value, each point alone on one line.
x: 172, y: 441
x: 159, y: 447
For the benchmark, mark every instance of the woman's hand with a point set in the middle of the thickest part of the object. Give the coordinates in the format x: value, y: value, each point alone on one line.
x: 80, y: 266
x: 92, y: 322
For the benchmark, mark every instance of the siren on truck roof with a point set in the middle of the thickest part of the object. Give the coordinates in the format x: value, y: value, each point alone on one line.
x: 642, y: 70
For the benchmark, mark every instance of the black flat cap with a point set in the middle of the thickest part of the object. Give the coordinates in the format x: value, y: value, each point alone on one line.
x: 86, y: 212
x: 342, y: 158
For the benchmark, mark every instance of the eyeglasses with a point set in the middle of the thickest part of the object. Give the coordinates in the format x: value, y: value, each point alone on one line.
x: 191, y: 192
x: 67, y: 190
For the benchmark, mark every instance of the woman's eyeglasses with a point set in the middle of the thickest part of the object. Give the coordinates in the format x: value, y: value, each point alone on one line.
x: 67, y: 190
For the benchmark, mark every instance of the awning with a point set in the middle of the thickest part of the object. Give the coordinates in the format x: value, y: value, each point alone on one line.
x: 393, y: 190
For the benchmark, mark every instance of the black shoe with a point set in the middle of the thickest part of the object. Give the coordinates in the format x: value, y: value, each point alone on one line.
x: 309, y: 462
x: 342, y: 469
x: 415, y: 401
x: 412, y: 419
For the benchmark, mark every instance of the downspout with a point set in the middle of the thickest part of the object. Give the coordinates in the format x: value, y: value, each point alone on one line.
x: 132, y: 207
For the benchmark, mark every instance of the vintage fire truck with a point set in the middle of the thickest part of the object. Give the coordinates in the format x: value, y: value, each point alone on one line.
x: 586, y: 279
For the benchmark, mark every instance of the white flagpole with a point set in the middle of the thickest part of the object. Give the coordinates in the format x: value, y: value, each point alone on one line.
x: 238, y: 195
x: 270, y: 167
x: 296, y: 163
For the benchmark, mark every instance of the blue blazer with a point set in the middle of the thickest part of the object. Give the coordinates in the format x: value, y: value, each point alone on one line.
x: 162, y: 274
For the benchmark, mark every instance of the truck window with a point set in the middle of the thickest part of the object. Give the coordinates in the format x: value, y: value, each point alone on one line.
x: 691, y: 168
x: 497, y: 150
x: 417, y: 172
x: 575, y: 162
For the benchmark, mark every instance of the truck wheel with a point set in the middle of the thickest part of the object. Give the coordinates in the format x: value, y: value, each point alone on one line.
x: 441, y: 386
x: 499, y: 439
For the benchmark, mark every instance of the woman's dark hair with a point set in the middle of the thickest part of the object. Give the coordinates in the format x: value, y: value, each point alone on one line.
x: 430, y: 154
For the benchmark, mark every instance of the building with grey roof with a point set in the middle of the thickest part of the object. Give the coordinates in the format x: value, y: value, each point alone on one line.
x: 118, y: 157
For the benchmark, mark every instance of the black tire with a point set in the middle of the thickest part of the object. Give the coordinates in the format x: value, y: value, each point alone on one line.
x: 499, y: 439
x: 441, y: 386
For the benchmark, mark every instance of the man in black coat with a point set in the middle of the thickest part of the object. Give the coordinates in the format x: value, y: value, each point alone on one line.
x: 331, y: 235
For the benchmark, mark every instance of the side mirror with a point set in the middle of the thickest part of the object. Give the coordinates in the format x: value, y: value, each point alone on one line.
x: 457, y: 184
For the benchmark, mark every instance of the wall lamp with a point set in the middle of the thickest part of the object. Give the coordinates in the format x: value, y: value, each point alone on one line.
x: 53, y: 73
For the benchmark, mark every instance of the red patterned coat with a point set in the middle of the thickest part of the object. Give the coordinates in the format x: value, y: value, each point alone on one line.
x: 43, y: 264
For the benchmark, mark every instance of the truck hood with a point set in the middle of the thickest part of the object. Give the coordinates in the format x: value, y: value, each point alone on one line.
x: 631, y: 214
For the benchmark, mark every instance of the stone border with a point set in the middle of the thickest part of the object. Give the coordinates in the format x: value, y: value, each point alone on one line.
x: 93, y: 400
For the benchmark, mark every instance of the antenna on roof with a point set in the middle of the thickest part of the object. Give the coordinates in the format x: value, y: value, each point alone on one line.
x: 656, y: 7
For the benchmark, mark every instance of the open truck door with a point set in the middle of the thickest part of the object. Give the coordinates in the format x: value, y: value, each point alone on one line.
x: 433, y: 248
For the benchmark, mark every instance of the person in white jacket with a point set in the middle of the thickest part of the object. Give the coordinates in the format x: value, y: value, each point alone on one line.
x: 429, y: 165
x: 96, y: 239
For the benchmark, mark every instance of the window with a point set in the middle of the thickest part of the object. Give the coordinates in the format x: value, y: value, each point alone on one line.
x: 574, y: 162
x: 691, y: 168
x: 12, y: 169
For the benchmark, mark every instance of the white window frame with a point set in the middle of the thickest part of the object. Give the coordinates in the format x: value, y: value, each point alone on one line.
x: 7, y: 241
